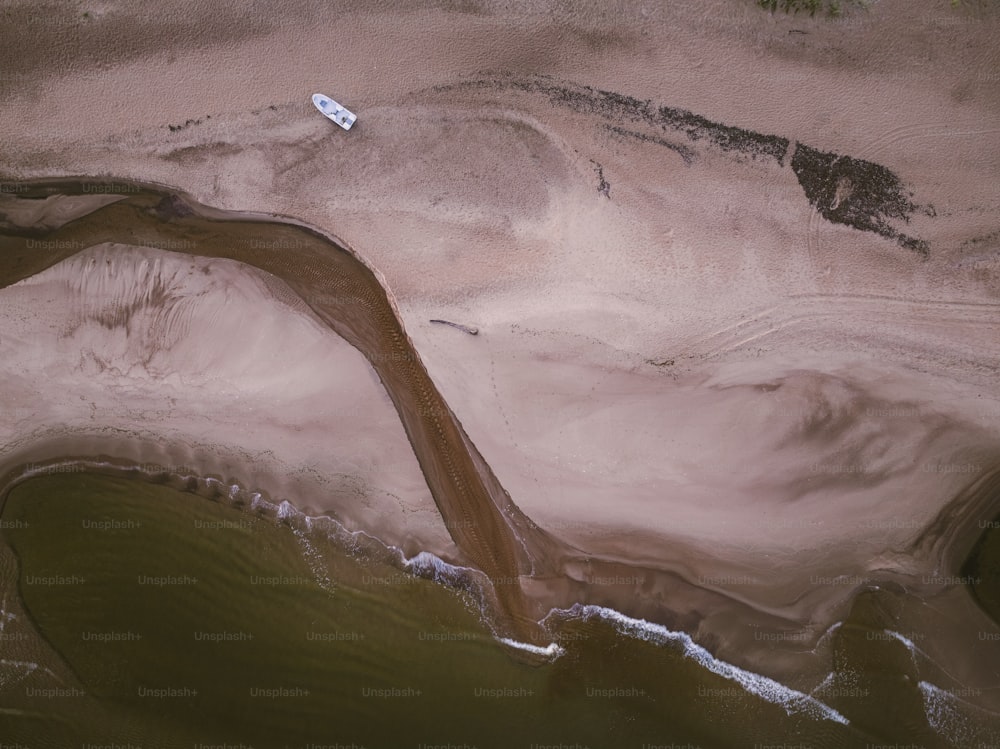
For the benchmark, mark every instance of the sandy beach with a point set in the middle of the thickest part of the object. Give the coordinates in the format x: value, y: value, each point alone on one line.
x: 735, y: 279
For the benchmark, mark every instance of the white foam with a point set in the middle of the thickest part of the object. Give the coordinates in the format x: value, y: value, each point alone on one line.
x: 830, y: 631
x: 552, y: 650
x: 906, y: 641
x: 5, y: 616
x: 936, y: 705
x: 287, y: 510
x: 791, y: 700
x: 28, y: 665
x: 475, y: 583
x: 426, y: 564
x: 11, y: 672
x: 829, y: 681
x: 943, y: 715
x: 315, y: 561
x: 258, y: 503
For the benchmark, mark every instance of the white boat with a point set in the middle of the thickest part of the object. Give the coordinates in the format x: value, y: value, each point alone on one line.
x: 334, y: 111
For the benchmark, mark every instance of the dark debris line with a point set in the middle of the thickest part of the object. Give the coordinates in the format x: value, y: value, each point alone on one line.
x: 611, y: 105
x: 603, y: 186
x: 843, y: 190
x: 855, y: 192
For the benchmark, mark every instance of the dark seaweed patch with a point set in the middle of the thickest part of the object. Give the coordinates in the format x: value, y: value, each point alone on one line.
x: 176, y: 128
x: 620, y: 107
x: 856, y: 193
x: 726, y: 137
x: 844, y: 190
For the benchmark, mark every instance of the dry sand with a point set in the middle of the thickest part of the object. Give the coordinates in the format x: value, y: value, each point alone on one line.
x: 681, y: 365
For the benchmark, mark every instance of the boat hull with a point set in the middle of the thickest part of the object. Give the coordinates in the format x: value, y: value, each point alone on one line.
x: 334, y: 111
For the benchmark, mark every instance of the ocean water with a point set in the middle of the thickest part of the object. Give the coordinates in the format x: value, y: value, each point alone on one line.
x: 139, y: 615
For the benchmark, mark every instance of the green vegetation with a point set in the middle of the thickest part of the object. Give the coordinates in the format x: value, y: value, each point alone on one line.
x: 832, y: 8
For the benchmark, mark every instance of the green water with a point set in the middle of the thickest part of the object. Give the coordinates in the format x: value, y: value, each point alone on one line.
x: 983, y: 566
x: 169, y: 613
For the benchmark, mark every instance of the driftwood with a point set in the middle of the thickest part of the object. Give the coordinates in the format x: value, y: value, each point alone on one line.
x: 466, y: 328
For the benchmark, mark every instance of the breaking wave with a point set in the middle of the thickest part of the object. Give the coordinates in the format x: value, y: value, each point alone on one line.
x: 790, y: 700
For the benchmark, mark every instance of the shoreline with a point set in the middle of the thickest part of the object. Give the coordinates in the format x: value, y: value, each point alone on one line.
x: 796, y: 653
x: 682, y: 596
x: 712, y: 384
x: 794, y: 698
x: 462, y: 485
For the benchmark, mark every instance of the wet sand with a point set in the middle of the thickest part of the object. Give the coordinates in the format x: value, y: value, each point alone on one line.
x: 346, y: 296
x: 735, y: 287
